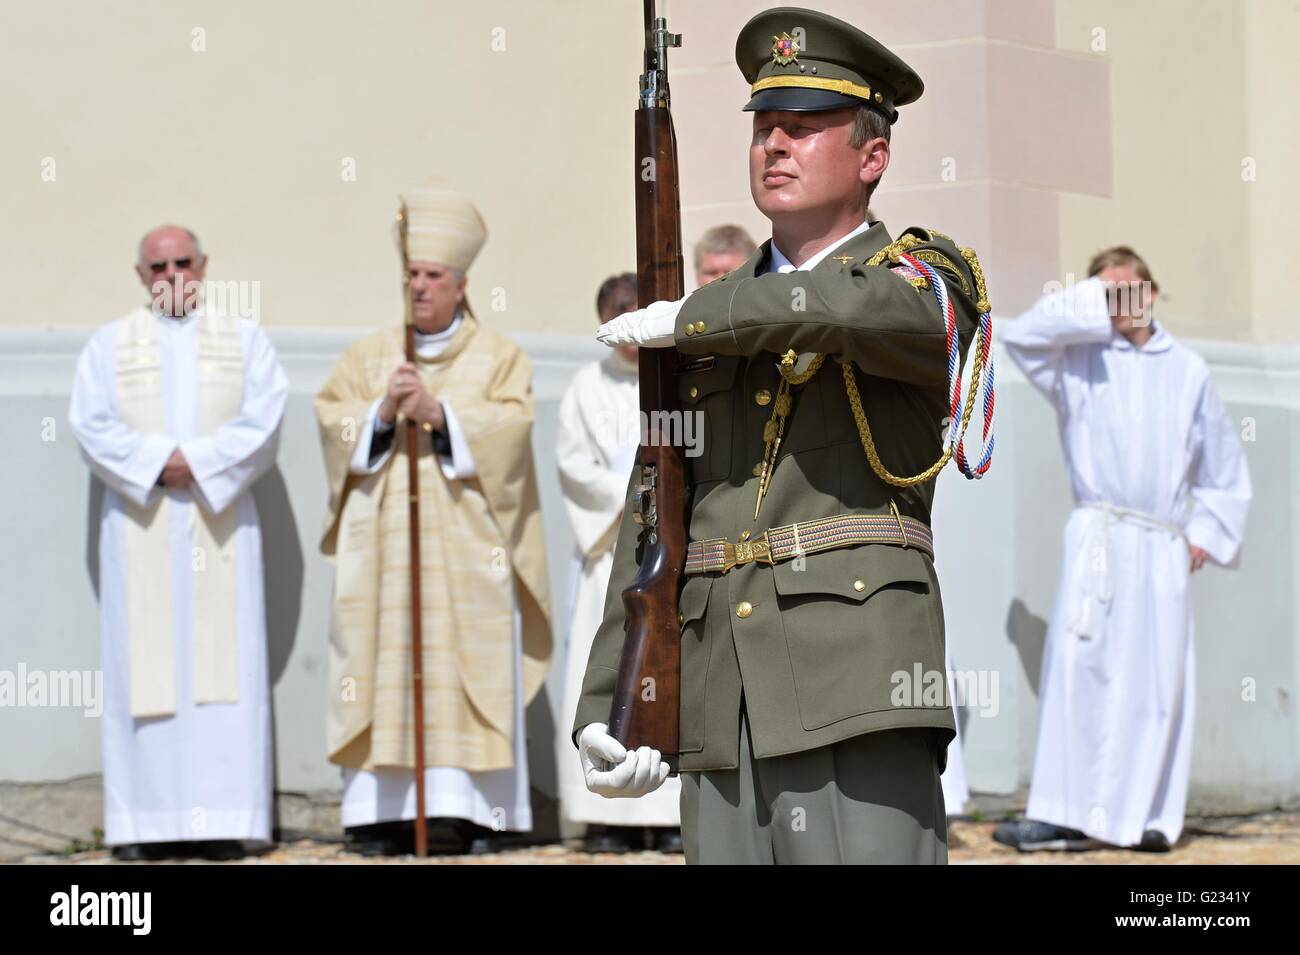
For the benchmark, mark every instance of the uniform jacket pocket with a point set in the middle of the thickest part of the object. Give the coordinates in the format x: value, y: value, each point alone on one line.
x: 696, y: 649
x: 853, y: 619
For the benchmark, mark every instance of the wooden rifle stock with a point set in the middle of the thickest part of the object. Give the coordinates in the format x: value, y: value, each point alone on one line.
x: 646, y: 694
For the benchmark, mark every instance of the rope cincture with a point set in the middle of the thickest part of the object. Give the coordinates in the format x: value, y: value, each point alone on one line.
x: 959, y: 411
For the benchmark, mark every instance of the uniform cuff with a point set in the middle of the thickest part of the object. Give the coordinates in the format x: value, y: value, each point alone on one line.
x: 704, y: 316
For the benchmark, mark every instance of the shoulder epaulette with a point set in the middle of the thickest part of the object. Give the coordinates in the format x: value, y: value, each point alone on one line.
x: 941, y: 251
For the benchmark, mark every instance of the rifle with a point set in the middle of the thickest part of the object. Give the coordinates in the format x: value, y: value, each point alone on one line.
x: 644, y: 711
x: 417, y: 630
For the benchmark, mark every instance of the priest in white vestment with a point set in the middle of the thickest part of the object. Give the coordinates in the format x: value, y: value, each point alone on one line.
x: 1161, y: 486
x: 596, y: 445
x: 484, y: 592
x: 177, y: 408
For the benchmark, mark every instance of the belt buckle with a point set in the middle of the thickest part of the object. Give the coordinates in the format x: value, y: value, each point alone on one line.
x: 744, y: 552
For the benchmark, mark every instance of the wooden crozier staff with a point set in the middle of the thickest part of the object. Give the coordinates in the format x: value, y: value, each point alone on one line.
x: 413, y: 481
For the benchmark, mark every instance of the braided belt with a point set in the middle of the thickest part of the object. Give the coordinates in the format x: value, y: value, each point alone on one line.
x: 719, y: 555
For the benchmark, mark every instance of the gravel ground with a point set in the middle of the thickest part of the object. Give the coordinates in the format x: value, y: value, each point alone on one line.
x: 1272, y: 838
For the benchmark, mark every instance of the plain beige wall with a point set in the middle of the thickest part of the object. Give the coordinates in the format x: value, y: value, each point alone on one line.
x: 245, y: 142
x: 1198, y: 87
x: 1273, y: 140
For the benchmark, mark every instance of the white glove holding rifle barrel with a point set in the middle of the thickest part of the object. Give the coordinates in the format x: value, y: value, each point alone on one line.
x: 613, y: 772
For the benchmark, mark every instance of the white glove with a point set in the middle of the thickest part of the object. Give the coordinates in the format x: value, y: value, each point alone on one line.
x: 650, y: 327
x: 634, y: 774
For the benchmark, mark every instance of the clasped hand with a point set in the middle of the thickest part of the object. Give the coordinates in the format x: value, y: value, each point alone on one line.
x: 176, y: 473
x: 407, y: 396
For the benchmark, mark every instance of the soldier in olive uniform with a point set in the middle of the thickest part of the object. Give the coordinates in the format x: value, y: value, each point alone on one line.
x: 810, y: 610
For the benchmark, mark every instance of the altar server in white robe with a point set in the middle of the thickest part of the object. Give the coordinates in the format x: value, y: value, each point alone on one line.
x: 484, y: 592
x: 1160, y: 486
x: 596, y: 443
x: 177, y: 409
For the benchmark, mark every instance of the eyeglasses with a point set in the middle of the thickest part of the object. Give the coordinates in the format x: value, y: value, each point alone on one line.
x: 157, y: 268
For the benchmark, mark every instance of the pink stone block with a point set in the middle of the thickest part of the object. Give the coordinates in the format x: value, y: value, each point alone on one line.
x: 712, y: 136
x: 1005, y: 112
x: 1051, y: 114
x: 1015, y: 232
x: 708, y: 31
x: 946, y: 131
x: 1022, y: 21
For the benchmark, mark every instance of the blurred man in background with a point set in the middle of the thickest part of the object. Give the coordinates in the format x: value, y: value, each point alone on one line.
x: 722, y: 249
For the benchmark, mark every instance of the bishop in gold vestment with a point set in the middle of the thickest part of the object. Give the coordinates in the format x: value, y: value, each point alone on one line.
x: 484, y: 592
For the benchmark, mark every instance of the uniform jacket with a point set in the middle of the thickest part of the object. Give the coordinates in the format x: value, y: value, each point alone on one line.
x: 818, y: 655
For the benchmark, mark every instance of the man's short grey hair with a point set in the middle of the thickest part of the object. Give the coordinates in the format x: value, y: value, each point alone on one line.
x: 722, y: 239
x: 139, y: 251
x: 868, y: 124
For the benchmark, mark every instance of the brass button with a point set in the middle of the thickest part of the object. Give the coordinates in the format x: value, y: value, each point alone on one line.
x: 690, y: 330
x: 758, y: 470
x: 744, y: 609
x: 744, y: 535
x: 859, y: 586
x: 699, y: 326
x: 695, y: 392
x: 762, y: 396
x: 680, y: 620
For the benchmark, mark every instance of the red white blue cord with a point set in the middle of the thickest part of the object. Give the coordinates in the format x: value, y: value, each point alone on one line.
x: 984, y: 342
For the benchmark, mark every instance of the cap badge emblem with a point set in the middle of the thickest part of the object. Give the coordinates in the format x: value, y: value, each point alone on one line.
x: 785, y: 49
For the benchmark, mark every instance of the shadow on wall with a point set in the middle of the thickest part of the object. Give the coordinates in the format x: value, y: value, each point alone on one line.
x: 284, y: 571
x: 1028, y: 633
x: 282, y: 584
x: 94, y: 507
x: 539, y: 729
x: 282, y: 567
x: 282, y: 562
